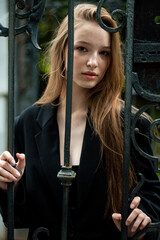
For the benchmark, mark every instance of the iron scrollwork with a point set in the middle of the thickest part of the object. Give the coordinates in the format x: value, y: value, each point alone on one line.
x: 137, y: 188
x: 134, y: 130
x: 121, y: 19
x: 66, y: 174
x: 145, y: 53
x: 20, y: 4
x: 3, y: 31
x: 151, y: 226
x: 142, y: 92
x: 154, y: 124
x: 33, y: 16
x: 134, y: 46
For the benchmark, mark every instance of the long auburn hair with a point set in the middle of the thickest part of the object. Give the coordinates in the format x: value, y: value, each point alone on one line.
x: 104, y: 101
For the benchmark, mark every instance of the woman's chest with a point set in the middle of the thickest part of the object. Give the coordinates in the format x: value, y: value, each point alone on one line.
x: 76, y: 139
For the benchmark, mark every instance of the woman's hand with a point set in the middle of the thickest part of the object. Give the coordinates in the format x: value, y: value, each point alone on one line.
x: 137, y: 220
x: 10, y: 170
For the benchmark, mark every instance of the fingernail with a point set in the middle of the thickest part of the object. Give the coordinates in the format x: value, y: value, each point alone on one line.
x: 14, y: 179
x: 132, y: 205
x: 18, y: 174
x: 13, y: 162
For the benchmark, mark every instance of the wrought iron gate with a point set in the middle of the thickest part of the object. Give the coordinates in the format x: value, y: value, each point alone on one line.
x: 142, y: 58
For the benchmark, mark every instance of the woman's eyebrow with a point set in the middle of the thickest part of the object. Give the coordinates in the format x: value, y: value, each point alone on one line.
x: 82, y: 42
x: 87, y: 43
x: 106, y: 47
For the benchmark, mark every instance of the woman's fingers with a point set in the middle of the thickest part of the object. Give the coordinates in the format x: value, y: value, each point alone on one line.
x: 21, y: 162
x: 135, y: 202
x: 7, y: 170
x: 117, y: 217
x: 140, y: 222
x: 10, y: 170
x: 143, y: 224
x: 6, y: 156
x: 137, y: 220
x: 132, y: 217
x: 8, y: 173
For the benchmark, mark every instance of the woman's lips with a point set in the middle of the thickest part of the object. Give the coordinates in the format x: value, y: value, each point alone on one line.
x: 90, y: 75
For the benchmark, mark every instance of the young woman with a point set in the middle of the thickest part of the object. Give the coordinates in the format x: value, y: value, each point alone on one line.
x: 96, y: 150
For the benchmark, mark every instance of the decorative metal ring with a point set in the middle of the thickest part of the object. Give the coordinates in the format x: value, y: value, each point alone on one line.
x: 122, y: 19
x: 20, y: 4
x: 38, y: 231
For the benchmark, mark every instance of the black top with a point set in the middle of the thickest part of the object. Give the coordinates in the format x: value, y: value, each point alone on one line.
x: 73, y: 190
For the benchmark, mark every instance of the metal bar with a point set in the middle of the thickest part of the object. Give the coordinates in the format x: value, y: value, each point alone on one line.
x: 66, y: 174
x: 65, y: 212
x: 11, y: 53
x: 127, y: 120
x: 69, y: 83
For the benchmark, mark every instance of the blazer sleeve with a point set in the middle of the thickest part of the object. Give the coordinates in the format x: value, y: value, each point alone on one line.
x: 150, y: 191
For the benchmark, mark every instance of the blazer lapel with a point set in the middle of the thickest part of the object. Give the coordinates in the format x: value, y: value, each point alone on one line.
x: 47, y: 140
x: 89, y: 164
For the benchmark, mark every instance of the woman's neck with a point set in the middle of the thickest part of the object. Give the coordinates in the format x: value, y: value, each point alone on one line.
x: 79, y: 99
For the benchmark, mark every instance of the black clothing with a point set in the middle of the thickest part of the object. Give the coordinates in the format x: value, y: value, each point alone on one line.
x: 38, y: 201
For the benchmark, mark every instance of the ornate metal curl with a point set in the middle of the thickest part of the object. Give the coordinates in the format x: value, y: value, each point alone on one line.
x: 38, y: 231
x: 33, y: 16
x: 3, y: 31
x: 20, y: 4
x: 136, y: 130
x: 137, y: 187
x: 143, y: 93
x: 121, y: 19
x: 154, y: 124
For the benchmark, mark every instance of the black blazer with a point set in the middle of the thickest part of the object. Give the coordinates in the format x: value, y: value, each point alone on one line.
x: 38, y: 200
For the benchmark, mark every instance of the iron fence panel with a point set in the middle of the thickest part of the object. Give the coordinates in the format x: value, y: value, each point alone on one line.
x: 142, y: 59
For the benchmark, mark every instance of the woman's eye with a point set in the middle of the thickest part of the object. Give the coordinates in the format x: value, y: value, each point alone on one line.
x: 82, y: 49
x: 105, y: 53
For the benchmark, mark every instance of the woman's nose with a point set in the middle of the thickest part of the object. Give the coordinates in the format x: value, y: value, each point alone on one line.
x: 92, y: 61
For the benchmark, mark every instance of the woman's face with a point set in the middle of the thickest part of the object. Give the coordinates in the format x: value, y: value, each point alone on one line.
x: 92, y: 53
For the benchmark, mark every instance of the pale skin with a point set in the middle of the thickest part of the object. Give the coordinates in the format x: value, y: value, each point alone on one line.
x: 92, y: 48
